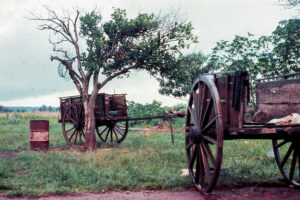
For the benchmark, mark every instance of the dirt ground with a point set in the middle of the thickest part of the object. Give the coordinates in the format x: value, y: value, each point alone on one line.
x: 253, y: 193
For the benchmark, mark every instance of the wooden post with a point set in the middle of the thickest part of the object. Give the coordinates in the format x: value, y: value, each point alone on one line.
x: 171, y: 128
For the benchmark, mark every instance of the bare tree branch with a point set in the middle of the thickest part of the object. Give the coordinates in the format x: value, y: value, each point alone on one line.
x: 75, y: 24
x: 68, y: 65
x: 62, y: 27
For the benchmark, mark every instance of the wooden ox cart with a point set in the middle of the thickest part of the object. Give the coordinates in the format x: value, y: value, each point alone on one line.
x: 217, y: 111
x: 110, y: 117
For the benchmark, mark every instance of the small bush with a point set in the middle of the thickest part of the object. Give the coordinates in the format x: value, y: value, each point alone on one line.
x: 13, y: 120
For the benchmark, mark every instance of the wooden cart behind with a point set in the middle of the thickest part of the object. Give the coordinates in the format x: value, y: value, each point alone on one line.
x: 111, y: 118
x: 217, y: 111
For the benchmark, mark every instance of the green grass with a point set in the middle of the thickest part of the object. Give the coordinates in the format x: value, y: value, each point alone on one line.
x: 140, y: 162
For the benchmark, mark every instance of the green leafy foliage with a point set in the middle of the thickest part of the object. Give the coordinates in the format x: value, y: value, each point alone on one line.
x: 152, y: 109
x: 13, y: 120
x: 265, y: 56
x: 140, y: 110
x: 286, y: 39
x: 178, y: 81
x: 150, y: 41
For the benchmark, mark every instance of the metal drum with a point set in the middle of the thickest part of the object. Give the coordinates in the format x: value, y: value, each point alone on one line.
x: 39, y: 134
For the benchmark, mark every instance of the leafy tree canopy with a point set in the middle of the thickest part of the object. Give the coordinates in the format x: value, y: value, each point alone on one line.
x: 177, y: 81
x: 146, y: 42
x: 265, y: 56
x: 286, y: 41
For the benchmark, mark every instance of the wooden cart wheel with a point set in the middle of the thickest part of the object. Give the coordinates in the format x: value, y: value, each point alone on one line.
x: 113, y: 131
x: 73, y: 124
x: 287, y: 155
x: 204, y: 134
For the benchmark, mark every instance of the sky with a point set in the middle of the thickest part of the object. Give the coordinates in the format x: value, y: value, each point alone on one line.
x: 29, y: 78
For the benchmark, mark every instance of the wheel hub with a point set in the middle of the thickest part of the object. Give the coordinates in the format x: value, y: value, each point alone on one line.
x: 77, y: 125
x: 195, y: 134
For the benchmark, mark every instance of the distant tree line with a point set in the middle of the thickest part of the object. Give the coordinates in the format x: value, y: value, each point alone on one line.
x: 42, y: 108
x: 4, y: 109
x: 45, y: 108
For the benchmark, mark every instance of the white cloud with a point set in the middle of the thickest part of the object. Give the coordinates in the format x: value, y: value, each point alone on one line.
x: 28, y: 75
x: 136, y: 88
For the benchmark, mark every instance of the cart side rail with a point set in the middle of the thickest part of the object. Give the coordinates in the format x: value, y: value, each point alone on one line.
x: 277, y: 99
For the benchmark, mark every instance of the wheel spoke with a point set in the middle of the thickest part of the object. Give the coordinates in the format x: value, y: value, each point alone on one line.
x: 103, y: 131
x: 111, y: 135
x: 280, y: 144
x: 196, y: 103
x: 80, y: 141
x: 209, y: 125
x: 205, y: 162
x: 210, y: 139
x: 119, y: 130
x: 76, y: 137
x: 198, y: 165
x: 293, y: 165
x: 76, y: 113
x: 287, y: 155
x: 70, y: 129
x: 193, y: 116
x: 121, y: 126
x: 193, y: 157
x: 189, y: 145
x: 72, y: 135
x: 202, y: 101
x: 106, y: 135
x: 82, y: 132
x: 116, y: 135
x: 69, y: 117
x: 207, y: 112
x: 209, y: 153
x: 202, y: 170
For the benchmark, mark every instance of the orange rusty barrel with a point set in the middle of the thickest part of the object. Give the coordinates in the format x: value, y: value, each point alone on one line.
x: 39, y: 134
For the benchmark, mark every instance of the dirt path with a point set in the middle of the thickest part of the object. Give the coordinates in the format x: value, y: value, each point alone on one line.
x: 8, y: 154
x: 274, y: 193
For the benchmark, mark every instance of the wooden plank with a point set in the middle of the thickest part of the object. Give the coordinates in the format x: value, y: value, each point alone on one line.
x: 277, y: 99
x: 231, y: 117
x: 284, y: 91
x: 272, y: 111
x: 262, y: 133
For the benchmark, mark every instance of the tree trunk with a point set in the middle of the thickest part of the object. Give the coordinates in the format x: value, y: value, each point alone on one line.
x: 89, y: 126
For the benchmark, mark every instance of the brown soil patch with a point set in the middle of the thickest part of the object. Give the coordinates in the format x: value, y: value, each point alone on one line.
x: 247, y: 193
x: 10, y: 154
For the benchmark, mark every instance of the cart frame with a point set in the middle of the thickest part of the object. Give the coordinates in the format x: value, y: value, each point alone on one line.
x: 111, y: 119
x: 217, y: 111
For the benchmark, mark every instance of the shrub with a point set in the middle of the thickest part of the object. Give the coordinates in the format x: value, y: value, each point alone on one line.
x: 13, y: 120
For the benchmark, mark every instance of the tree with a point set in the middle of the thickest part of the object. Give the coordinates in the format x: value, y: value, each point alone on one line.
x: 262, y: 57
x: 291, y: 3
x: 50, y: 109
x: 178, y: 82
x: 286, y: 41
x: 43, y: 108
x: 113, y: 49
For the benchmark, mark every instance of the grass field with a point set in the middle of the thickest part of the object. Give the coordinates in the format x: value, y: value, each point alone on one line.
x: 142, y: 161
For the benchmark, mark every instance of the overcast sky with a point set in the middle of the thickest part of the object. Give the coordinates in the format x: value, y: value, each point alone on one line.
x: 29, y: 78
